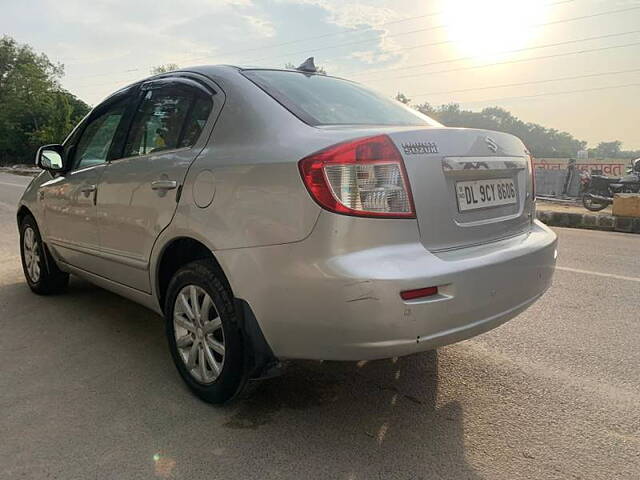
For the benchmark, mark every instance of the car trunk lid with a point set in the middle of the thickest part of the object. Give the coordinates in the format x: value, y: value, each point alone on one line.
x: 469, y: 186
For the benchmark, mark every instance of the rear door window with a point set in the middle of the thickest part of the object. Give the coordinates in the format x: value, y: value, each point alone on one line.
x: 322, y: 100
x: 167, y: 118
x: 196, y: 120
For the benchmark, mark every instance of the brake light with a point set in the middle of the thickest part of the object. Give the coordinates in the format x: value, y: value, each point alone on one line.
x: 364, y: 177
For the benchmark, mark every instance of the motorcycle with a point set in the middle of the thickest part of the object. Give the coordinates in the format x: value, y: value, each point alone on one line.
x: 598, y: 190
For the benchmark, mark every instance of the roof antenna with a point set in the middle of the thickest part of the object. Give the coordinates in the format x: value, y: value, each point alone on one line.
x: 308, y: 66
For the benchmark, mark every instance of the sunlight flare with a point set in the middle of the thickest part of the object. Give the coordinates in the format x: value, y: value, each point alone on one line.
x: 485, y: 30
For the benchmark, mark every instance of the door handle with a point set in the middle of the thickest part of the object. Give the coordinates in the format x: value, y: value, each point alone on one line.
x: 88, y: 189
x: 164, y: 185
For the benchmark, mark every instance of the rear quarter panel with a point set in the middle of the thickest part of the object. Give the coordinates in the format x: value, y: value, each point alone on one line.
x: 249, y: 170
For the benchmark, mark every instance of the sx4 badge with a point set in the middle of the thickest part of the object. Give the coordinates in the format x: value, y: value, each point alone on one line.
x: 419, y: 148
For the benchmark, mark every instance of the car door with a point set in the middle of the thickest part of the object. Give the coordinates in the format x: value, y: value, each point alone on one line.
x: 69, y: 200
x: 138, y: 193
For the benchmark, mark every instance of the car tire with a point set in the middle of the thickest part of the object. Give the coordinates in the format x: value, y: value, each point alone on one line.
x: 205, y: 341
x: 40, y: 270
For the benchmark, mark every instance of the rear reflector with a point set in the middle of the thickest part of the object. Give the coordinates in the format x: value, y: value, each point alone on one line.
x: 419, y: 293
x: 532, y: 172
x: 364, y: 177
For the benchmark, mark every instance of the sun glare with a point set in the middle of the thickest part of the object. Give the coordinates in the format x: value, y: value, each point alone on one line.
x: 485, y: 29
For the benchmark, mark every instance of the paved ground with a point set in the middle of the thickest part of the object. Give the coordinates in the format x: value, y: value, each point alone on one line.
x: 87, y: 390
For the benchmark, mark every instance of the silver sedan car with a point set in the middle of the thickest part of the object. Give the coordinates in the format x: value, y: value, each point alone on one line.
x: 284, y: 214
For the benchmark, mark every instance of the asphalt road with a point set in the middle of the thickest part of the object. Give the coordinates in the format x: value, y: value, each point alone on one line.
x: 88, y: 390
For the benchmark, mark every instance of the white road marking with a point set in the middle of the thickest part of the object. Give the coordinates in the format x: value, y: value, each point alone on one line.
x: 599, y: 274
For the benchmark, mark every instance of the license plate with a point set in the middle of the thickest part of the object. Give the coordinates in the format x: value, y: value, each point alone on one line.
x: 485, y: 193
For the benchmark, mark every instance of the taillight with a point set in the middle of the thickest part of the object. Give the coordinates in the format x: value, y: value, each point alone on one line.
x: 364, y: 177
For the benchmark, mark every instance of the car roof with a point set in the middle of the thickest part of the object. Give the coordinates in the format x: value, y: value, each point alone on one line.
x: 223, y: 71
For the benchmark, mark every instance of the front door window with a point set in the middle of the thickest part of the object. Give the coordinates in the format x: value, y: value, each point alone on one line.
x: 96, y: 140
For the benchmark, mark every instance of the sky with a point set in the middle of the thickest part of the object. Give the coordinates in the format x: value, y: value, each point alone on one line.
x: 572, y: 65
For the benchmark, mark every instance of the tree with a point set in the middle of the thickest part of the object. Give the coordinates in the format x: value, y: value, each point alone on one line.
x: 401, y: 97
x: 426, y: 109
x: 167, y: 67
x: 35, y: 108
x: 541, y: 141
x: 607, y: 149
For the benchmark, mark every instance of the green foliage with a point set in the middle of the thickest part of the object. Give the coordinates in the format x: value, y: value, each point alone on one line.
x: 35, y: 109
x: 402, y: 98
x: 541, y: 141
x: 167, y: 67
x: 607, y: 149
x: 612, y: 150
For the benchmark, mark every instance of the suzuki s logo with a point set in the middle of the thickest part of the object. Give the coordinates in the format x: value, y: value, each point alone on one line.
x: 491, y: 144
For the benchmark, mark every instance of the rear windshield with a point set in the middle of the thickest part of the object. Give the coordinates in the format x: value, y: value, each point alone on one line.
x: 321, y: 100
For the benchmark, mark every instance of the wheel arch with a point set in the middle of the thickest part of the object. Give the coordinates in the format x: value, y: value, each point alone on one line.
x: 175, y: 254
x: 184, y: 249
x: 23, y: 211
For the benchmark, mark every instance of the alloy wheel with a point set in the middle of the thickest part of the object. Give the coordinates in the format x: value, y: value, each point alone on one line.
x: 198, y: 333
x: 31, y: 254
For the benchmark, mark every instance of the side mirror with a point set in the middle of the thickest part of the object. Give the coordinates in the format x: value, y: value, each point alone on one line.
x: 51, y: 157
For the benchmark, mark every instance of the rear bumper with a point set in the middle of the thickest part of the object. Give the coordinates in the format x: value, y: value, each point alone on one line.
x: 321, y: 299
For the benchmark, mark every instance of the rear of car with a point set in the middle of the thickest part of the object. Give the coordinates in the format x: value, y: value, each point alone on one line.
x: 309, y: 218
x: 426, y: 234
